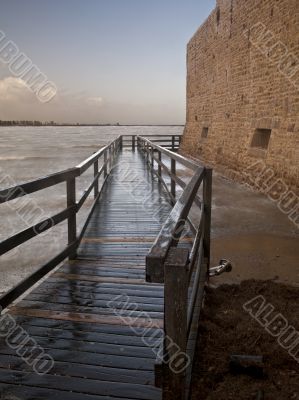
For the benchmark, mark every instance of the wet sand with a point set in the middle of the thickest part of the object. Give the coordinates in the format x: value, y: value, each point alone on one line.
x: 254, y: 234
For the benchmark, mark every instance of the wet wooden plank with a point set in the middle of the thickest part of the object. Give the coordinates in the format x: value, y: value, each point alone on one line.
x: 82, y: 371
x: 92, y: 278
x: 97, y: 300
x: 121, y: 350
x: 84, y: 317
x: 131, y: 310
x: 85, y: 327
x: 78, y: 385
x: 115, y: 337
x: 17, y: 392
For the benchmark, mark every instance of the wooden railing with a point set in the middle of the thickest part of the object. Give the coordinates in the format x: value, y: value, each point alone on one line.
x: 107, y: 154
x: 184, y: 271
x: 171, y: 142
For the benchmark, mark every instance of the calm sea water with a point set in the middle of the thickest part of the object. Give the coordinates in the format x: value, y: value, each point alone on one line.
x: 27, y: 153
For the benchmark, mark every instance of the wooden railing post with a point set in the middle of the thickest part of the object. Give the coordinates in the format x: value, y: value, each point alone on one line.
x: 95, y: 172
x: 105, y: 164
x: 72, y: 219
x: 173, y: 186
x: 152, y: 157
x: 173, y: 142
x: 207, y: 203
x: 147, y: 152
x: 175, y: 322
x: 110, y: 160
x: 159, y: 165
x: 133, y: 142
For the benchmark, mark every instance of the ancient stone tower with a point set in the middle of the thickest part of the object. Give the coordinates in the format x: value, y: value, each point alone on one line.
x: 243, y: 92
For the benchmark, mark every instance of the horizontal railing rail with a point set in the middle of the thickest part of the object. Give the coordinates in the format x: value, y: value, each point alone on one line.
x: 184, y: 271
x: 171, y: 142
x: 39, y: 184
x: 69, y: 214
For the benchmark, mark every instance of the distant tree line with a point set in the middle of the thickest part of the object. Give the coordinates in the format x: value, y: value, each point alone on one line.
x: 52, y: 123
x: 39, y: 123
x: 25, y: 123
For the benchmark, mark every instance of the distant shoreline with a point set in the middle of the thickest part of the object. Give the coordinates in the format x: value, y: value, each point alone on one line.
x: 36, y: 125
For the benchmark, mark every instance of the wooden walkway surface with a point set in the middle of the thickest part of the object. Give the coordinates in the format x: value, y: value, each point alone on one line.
x: 92, y: 313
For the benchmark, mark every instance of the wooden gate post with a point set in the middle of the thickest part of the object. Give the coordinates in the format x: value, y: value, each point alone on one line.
x: 175, y: 322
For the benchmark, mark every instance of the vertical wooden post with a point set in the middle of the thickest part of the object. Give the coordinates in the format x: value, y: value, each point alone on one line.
x: 95, y: 172
x: 173, y: 142
x: 105, y: 164
x: 207, y: 204
x: 133, y: 142
x: 175, y: 322
x: 152, y: 157
x: 173, y: 171
x: 120, y: 143
x: 147, y: 153
x: 159, y: 165
x: 72, y: 219
x: 110, y: 159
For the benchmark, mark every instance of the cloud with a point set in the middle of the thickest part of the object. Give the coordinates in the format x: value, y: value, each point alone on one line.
x: 18, y: 102
x: 14, y: 90
x: 95, y: 100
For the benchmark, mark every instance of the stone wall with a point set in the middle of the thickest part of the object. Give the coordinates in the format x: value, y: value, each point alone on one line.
x: 242, y: 90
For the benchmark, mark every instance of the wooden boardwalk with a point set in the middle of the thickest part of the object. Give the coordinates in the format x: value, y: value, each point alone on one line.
x: 119, y: 319
x: 72, y: 316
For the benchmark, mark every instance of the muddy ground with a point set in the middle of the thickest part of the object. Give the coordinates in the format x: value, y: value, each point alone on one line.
x: 226, y: 328
x: 251, y: 231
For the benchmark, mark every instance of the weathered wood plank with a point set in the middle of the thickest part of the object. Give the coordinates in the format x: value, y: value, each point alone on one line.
x: 84, y: 317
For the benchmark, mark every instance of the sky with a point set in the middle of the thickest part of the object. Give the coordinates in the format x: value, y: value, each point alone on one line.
x: 109, y: 60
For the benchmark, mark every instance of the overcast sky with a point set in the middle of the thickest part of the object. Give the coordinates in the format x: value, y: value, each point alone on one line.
x: 111, y: 60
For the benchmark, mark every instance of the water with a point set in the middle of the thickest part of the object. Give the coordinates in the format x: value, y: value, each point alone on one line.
x: 27, y: 153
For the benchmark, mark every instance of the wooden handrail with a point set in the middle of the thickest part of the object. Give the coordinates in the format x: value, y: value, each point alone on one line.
x: 177, y: 157
x: 69, y: 213
x: 26, y: 188
x: 29, y: 233
x: 184, y: 273
x: 172, y: 229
